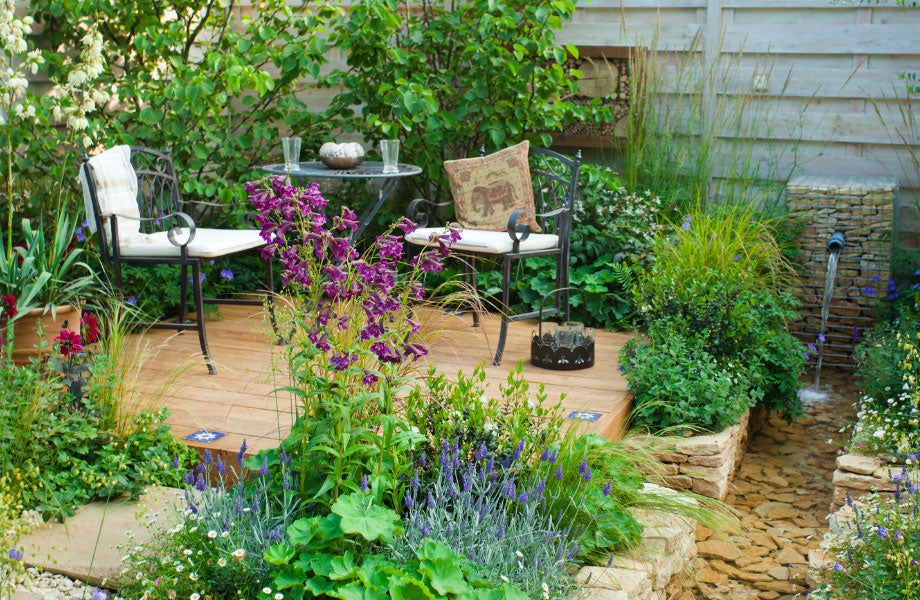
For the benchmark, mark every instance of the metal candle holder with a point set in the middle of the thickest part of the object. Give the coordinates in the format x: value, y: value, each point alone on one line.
x: 569, y: 348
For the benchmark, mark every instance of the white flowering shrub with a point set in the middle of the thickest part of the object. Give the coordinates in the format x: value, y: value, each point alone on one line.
x: 890, y: 424
x: 58, y: 119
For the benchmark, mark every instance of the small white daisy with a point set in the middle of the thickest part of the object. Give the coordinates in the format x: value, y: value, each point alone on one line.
x: 221, y: 562
x: 212, y: 534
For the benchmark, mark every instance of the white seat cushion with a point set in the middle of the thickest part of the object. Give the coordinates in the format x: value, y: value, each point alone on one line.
x: 208, y: 243
x: 487, y: 242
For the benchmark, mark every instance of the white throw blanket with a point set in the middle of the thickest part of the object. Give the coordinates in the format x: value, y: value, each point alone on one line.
x: 116, y: 192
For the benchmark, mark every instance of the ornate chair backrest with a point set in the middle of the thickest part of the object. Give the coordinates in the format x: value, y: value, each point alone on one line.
x: 157, y: 187
x: 157, y: 194
x: 554, y: 179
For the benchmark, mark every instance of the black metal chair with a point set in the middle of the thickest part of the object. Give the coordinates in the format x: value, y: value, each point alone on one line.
x: 554, y: 178
x: 167, y: 234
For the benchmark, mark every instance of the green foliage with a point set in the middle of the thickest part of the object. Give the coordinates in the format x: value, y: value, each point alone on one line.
x: 889, y: 423
x: 601, y: 509
x: 676, y: 382
x: 46, y: 273
x: 876, y: 552
x: 880, y: 355
x: 715, y: 315
x: 446, y: 79
x: 333, y: 556
x: 54, y: 445
x: 448, y: 410
x: 216, y: 88
x: 724, y: 240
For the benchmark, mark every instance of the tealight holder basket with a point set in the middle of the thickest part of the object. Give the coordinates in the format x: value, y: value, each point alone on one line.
x: 569, y: 348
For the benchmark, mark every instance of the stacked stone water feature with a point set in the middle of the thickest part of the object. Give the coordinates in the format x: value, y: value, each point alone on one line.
x: 862, y: 208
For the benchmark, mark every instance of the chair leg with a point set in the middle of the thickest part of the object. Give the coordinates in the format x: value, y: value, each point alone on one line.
x: 199, y: 307
x: 566, y: 283
x: 469, y: 277
x: 506, y: 299
x: 183, y: 293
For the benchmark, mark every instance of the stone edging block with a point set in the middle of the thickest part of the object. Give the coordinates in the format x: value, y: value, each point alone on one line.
x: 859, y: 475
x: 653, y: 570
x: 707, y: 463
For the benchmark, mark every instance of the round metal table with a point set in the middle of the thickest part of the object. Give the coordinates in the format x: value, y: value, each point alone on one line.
x: 366, y: 170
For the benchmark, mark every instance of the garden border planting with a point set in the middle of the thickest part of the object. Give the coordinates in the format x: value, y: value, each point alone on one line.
x: 706, y: 464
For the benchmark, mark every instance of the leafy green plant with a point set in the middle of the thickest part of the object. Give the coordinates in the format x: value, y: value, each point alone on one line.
x: 446, y: 79
x: 333, y: 556
x: 460, y: 410
x: 214, y: 84
x: 890, y: 423
x: 70, y: 278
x: 63, y: 459
x: 677, y: 383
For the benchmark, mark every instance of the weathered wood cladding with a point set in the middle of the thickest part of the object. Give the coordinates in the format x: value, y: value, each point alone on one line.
x: 837, y: 60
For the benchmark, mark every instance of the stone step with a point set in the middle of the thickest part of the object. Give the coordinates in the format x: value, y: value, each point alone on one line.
x: 84, y: 546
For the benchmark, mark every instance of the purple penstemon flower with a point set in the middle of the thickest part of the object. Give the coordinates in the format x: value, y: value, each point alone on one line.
x: 226, y: 274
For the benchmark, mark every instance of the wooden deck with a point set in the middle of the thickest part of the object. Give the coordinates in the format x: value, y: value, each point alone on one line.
x: 239, y: 400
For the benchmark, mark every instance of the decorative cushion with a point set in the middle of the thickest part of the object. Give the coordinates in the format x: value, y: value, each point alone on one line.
x: 487, y: 242
x: 488, y: 189
x: 116, y: 191
x: 208, y: 243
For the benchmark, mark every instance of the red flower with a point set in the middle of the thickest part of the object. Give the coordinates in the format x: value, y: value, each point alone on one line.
x: 18, y: 255
x: 70, y: 343
x: 90, y: 327
x: 9, y: 309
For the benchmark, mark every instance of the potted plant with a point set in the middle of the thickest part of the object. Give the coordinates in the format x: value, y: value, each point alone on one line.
x: 40, y: 287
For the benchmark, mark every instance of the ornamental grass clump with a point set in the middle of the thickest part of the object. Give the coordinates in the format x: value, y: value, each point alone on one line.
x: 876, y: 555
x: 499, y: 514
x: 212, y: 545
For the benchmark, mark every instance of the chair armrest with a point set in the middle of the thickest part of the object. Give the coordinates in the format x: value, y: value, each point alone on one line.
x: 518, y: 232
x: 419, y: 215
x: 173, y: 231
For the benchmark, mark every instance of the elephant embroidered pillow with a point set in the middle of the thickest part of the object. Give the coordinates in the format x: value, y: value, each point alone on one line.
x: 488, y: 189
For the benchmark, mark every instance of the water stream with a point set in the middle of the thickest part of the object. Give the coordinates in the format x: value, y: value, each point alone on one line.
x: 832, y: 257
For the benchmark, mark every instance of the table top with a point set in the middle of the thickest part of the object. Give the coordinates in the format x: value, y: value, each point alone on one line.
x: 366, y: 170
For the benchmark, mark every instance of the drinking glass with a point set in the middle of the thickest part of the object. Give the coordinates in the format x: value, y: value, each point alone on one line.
x: 390, y: 151
x: 291, y: 148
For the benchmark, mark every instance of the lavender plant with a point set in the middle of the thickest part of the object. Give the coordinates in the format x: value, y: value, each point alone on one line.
x: 215, y: 548
x: 877, y: 554
x: 354, y: 341
x: 498, y: 514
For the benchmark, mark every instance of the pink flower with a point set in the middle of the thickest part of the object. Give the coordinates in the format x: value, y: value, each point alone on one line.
x: 69, y: 343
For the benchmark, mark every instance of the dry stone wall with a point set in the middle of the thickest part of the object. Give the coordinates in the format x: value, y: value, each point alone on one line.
x: 706, y: 464
x: 655, y: 569
x: 858, y: 475
x: 862, y: 208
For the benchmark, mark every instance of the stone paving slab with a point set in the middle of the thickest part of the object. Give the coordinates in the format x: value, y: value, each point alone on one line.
x: 67, y: 548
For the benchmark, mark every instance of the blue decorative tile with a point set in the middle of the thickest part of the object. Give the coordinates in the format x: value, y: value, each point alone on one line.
x: 204, y: 436
x: 583, y: 415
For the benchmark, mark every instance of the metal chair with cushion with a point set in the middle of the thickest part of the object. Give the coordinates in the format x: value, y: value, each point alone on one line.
x: 553, y: 177
x: 133, y: 205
